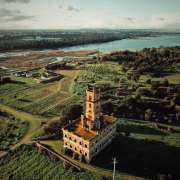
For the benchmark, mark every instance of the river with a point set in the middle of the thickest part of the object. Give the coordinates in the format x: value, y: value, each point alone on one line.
x: 136, y: 44
x: 133, y: 44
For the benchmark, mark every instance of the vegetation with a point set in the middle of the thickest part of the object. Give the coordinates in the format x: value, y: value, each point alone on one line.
x: 11, y: 130
x: 26, y: 163
x: 143, y: 86
x: 14, y: 40
x: 34, y: 124
x: 143, y: 150
x: 155, y: 61
x: 105, y: 75
x: 25, y: 94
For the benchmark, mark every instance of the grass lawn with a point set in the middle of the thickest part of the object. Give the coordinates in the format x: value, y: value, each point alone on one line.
x: 56, y: 145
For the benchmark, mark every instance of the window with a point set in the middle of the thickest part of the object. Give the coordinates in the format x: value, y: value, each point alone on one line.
x: 74, y: 140
x: 70, y: 138
x: 86, y: 145
x: 66, y: 143
x: 80, y: 143
x: 70, y: 146
x: 90, y: 111
x: 85, y: 154
x: 80, y: 151
x: 75, y: 149
x: 90, y: 105
x: 65, y: 135
x: 90, y: 98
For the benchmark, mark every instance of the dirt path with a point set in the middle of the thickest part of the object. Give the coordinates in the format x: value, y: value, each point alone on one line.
x: 67, y: 82
x: 34, y: 125
x: 65, y: 86
x: 34, y: 120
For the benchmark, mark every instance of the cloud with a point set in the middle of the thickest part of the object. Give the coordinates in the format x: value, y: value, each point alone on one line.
x: 8, y: 13
x: 129, y: 19
x: 161, y: 19
x: 72, y: 8
x: 13, y: 15
x: 15, y: 1
x: 69, y: 8
x: 20, y: 18
x: 158, y: 21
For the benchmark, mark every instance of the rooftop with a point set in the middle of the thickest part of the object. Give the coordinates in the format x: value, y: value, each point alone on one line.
x: 76, y: 128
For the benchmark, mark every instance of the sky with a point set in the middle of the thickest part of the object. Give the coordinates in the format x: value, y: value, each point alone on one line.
x: 76, y: 14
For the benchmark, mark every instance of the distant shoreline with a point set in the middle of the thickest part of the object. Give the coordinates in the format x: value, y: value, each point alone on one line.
x: 42, y: 41
x: 21, y: 52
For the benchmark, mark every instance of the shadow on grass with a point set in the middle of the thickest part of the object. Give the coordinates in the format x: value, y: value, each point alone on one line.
x: 141, y: 157
x: 139, y: 129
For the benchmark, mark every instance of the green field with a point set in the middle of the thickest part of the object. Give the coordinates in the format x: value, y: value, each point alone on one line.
x: 26, y: 163
x: 143, y: 150
x: 144, y: 147
x: 12, y: 130
x: 36, y: 98
x: 140, y: 149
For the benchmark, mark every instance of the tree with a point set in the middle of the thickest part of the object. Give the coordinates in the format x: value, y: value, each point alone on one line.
x: 72, y: 112
x: 53, y: 127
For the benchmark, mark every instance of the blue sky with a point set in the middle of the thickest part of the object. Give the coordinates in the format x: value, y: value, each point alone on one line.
x: 73, y: 14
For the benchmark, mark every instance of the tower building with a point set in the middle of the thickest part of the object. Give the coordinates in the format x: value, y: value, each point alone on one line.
x: 86, y: 136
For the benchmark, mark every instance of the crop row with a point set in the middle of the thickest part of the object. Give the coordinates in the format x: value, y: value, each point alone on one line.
x: 27, y: 163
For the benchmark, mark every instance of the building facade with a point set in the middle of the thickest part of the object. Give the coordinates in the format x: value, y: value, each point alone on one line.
x: 92, y: 132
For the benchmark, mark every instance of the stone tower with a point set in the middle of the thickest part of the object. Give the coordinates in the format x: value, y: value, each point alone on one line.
x: 88, y: 135
x: 93, y: 107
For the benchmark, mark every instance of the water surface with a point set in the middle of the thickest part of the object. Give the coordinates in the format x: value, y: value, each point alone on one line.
x: 140, y: 43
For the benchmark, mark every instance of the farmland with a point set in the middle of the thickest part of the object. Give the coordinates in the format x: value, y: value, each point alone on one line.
x: 26, y: 163
x: 138, y: 145
x: 12, y: 130
x: 35, y: 98
x: 140, y: 101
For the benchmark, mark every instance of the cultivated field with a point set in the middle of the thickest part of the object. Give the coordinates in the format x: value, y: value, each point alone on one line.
x: 26, y: 163
x: 40, y: 99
